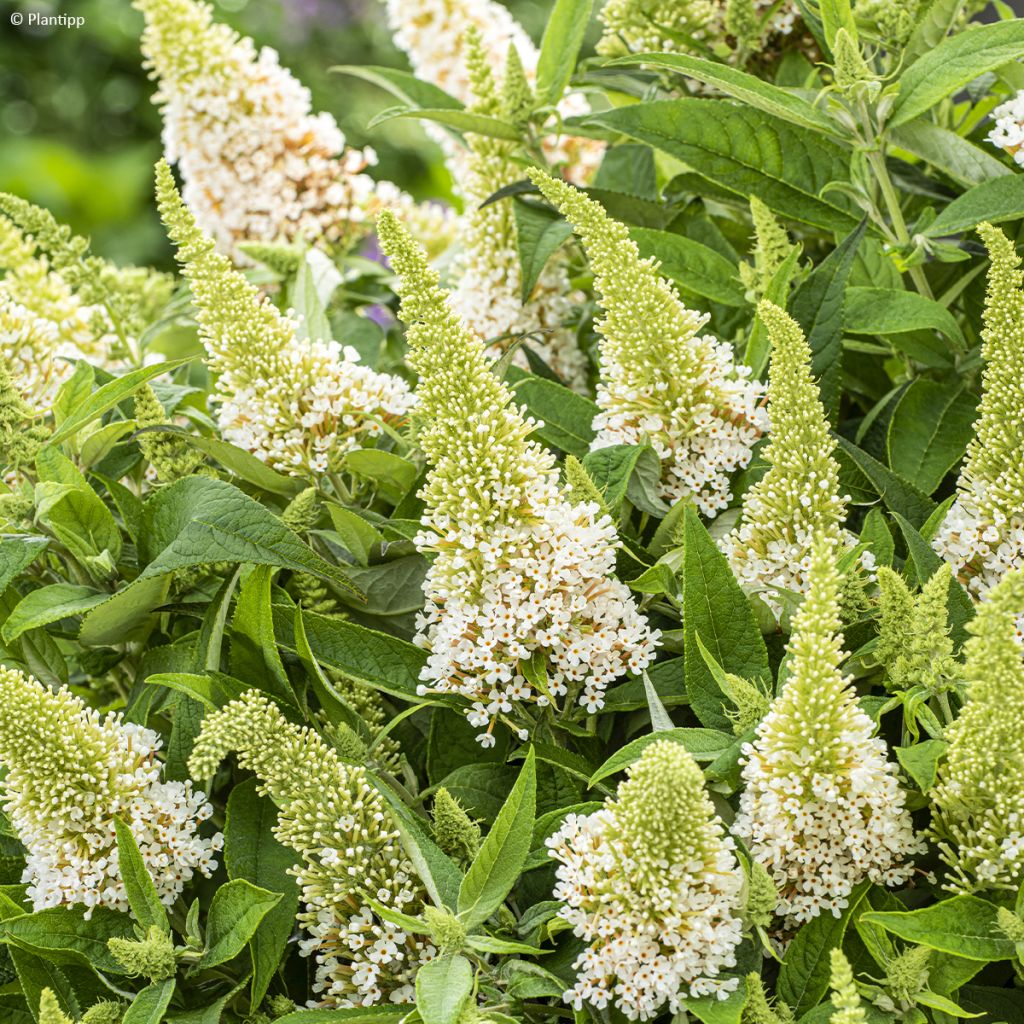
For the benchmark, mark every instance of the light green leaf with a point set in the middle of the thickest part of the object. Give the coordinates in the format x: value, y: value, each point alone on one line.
x: 996, y: 200
x: 17, y: 554
x: 150, y: 1005
x: 443, y: 989
x: 142, y: 895
x: 463, y: 121
x: 703, y: 745
x: 254, y: 653
x: 921, y: 761
x: 104, y: 398
x: 563, y: 37
x: 50, y: 604
x: 836, y: 14
x: 403, y: 85
x: 565, y: 415
x: 745, y: 152
x: 716, y: 609
x: 539, y: 234
x: 891, y: 311
x: 780, y: 103
x: 496, y: 866
x: 952, y: 154
x: 964, y: 926
x: 953, y: 63
x: 62, y: 935
x: 696, y: 269
x: 235, y: 913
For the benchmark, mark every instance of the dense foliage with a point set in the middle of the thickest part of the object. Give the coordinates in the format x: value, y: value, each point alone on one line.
x: 601, y: 601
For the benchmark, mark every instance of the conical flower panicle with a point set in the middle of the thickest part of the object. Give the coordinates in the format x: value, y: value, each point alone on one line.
x: 799, y: 496
x: 486, y: 273
x: 661, y: 381
x: 349, y: 850
x: 822, y: 808
x: 434, y: 35
x: 258, y: 164
x: 69, y: 774
x: 650, y: 882
x: 521, y: 580
x: 982, y: 536
x: 978, y: 800
x: 298, y: 404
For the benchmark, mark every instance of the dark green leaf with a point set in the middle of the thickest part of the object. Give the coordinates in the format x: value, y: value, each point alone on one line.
x: 696, y: 269
x: 899, y: 495
x: 235, y: 913
x: 996, y: 200
x: 703, y: 745
x: 539, y: 234
x: 50, y: 604
x: 563, y: 37
x: 890, y: 311
x: 142, y: 895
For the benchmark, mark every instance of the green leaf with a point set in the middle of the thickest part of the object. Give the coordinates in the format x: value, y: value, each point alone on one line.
x: 444, y: 986
x: 995, y: 201
x: 935, y: 21
x: 563, y: 37
x: 759, y: 345
x: 62, y: 935
x: 314, y: 283
x: 952, y: 154
x: 251, y: 852
x: 392, y: 474
x: 956, y: 61
x: 805, y: 971
x: 126, y: 613
x: 386, y: 662
x: 142, y: 895
x: 703, y: 745
x: 242, y: 463
x: 746, y: 152
x: 104, y: 398
x: 660, y: 719
x: 496, y: 866
x: 213, y: 690
x: 403, y: 85
x: 836, y: 14
x: 613, y: 470
x: 439, y: 875
x: 150, y: 1005
x: 891, y: 311
x: 921, y: 761
x: 780, y: 103
x: 539, y: 234
x: 716, y: 609
x: 818, y: 306
x: 16, y: 555
x: 359, y: 537
x: 696, y: 269
x: 50, y: 604
x: 235, y: 913
x: 964, y: 926
x: 929, y: 431
x: 566, y: 417
x: 200, y: 520
x: 898, y: 494
x: 463, y: 121
x: 254, y: 652
x: 357, y: 1015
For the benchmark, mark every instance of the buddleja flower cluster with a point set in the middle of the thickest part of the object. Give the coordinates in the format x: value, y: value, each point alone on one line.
x: 982, y: 536
x: 521, y: 605
x: 257, y: 163
x: 650, y: 882
x: 350, y: 853
x: 299, y: 404
x: 770, y: 548
x: 486, y: 275
x: 979, y: 796
x: 435, y: 36
x: 662, y: 383
x: 69, y: 774
x: 822, y: 807
x: 644, y: 26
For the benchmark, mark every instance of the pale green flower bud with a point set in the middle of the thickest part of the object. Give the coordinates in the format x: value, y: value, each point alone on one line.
x: 454, y: 830
x: 845, y: 997
x: 153, y: 957
x: 50, y: 1011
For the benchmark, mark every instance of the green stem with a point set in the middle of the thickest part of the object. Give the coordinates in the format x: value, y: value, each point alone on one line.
x: 876, y: 158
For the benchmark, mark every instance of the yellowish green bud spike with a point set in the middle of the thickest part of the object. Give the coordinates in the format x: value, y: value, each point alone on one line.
x: 487, y: 99
x: 282, y: 258
x: 822, y: 808
x: 799, y: 495
x: 978, y: 800
x: 849, y: 66
x: 516, y: 94
x: 758, y: 1009
x: 105, y: 1012
x: 750, y: 702
x: 50, y: 1011
x: 662, y: 382
x: 845, y: 997
x: 1010, y: 924
x: 653, y: 870
x: 279, y: 1005
x: 982, y: 533
x: 914, y: 644
x: 20, y: 438
x: 454, y: 830
x: 339, y: 826
x: 762, y: 896
x: 907, y: 973
x: 580, y: 486
x: 303, y: 511
x: 171, y: 456
x: 771, y: 247
x: 743, y: 21
x: 69, y: 772
x: 300, y: 404
x: 447, y: 932
x: 153, y: 957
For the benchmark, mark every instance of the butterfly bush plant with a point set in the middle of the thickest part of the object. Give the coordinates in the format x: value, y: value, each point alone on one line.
x: 595, y: 598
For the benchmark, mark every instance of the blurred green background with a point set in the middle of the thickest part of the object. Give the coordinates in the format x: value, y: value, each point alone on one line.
x: 79, y: 135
